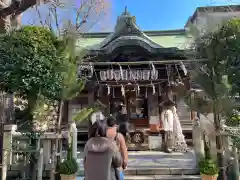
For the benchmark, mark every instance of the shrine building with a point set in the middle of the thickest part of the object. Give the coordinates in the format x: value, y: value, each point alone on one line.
x: 140, y: 70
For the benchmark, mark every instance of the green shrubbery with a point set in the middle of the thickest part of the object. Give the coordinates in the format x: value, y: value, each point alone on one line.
x: 208, y: 167
x: 68, y: 166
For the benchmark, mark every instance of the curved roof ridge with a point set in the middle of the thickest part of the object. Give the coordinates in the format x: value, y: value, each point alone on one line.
x: 126, y: 27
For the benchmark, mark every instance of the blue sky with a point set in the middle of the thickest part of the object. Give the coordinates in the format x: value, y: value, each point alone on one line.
x: 157, y: 14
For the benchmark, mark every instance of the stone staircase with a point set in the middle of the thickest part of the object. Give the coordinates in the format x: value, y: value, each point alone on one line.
x: 152, y: 165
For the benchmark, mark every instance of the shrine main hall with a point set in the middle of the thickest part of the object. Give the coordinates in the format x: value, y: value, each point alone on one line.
x: 138, y: 70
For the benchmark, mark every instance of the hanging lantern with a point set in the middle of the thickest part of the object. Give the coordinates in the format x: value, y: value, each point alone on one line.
x: 110, y: 74
x: 117, y: 75
x: 146, y: 74
x: 125, y: 75
x: 103, y: 75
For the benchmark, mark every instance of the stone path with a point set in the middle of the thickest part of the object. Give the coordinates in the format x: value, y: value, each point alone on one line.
x: 152, y: 164
x: 158, y: 160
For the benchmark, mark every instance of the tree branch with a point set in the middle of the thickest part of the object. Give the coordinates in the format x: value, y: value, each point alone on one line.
x: 17, y: 7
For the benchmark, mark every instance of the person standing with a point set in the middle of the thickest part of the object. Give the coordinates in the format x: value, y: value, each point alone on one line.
x: 101, y: 154
x: 120, y: 140
x: 167, y: 122
x: 173, y: 136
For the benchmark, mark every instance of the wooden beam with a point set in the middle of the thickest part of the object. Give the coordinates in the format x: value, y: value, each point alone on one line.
x: 144, y: 62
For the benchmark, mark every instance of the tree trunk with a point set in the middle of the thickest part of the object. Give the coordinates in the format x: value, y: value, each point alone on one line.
x: 16, y: 8
x: 219, y: 141
x: 5, y: 22
x: 57, y: 142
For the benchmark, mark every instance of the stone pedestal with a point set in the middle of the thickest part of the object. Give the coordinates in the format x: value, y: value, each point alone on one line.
x: 7, y: 147
x: 198, y: 143
x: 155, y: 141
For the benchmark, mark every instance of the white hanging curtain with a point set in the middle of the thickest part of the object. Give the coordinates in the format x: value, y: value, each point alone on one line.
x: 103, y: 75
x: 146, y: 74
x: 117, y: 75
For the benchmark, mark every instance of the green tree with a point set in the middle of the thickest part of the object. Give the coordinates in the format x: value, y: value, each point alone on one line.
x: 30, y: 64
x: 218, y: 75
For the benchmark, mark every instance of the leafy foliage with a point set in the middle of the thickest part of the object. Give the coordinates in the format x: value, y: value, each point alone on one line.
x: 71, y: 85
x: 219, y: 75
x: 221, y: 49
x: 30, y: 62
x: 208, y: 167
x: 233, y: 120
x: 83, y: 114
x: 68, y: 166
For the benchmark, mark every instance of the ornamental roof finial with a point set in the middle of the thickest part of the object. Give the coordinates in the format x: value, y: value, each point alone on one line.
x: 126, y: 11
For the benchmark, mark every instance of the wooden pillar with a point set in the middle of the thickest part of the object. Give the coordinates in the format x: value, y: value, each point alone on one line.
x: 40, y: 164
x: 153, y: 112
x: 47, y: 151
x: 154, y: 138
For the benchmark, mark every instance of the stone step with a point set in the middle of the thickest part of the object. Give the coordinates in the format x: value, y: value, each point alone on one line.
x: 159, y: 177
x: 160, y: 171
x: 164, y: 177
x: 148, y: 171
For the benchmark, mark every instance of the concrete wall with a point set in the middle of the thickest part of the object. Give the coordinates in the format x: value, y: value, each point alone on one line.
x: 209, y: 21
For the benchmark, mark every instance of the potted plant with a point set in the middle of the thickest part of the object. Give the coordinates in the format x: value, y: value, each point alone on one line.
x: 208, y: 169
x: 69, y: 167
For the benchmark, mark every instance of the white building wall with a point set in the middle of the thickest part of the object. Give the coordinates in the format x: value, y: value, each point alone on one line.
x: 206, y: 21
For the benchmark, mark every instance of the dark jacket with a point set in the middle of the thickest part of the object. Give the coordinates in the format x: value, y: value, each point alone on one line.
x: 102, y: 157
